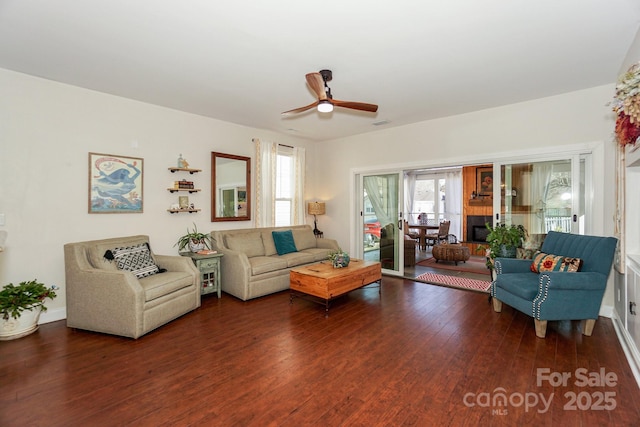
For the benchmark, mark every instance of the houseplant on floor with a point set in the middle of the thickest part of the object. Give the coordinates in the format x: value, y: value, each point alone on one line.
x: 194, y: 240
x: 20, y: 308
x: 504, y: 240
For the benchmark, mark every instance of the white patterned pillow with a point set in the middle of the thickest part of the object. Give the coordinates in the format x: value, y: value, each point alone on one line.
x: 136, y: 259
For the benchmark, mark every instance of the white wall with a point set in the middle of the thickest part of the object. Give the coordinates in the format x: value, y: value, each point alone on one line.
x: 47, y: 130
x: 554, y: 123
x: 633, y: 55
x: 544, y: 124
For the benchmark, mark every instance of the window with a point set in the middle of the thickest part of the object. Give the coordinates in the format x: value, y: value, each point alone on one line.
x: 428, y: 197
x: 281, y: 169
x: 284, y: 188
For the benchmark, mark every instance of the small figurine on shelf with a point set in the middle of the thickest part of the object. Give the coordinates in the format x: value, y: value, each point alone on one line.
x: 182, y: 162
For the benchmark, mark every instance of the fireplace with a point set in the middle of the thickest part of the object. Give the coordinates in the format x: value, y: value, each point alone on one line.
x: 479, y: 233
x: 476, y: 228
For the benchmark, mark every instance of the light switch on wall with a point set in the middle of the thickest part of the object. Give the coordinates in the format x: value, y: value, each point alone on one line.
x: 1, y: 219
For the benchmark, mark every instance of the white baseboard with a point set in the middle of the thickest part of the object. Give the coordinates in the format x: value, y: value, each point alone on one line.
x: 628, y: 346
x: 52, y: 315
x: 606, y: 311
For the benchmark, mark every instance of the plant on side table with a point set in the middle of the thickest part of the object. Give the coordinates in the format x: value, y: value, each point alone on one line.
x: 20, y: 308
x: 194, y: 240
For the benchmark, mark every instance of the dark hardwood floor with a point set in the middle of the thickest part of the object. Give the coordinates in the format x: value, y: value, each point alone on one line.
x: 417, y: 354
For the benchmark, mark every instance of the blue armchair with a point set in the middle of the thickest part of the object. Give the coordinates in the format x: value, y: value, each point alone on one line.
x: 554, y: 295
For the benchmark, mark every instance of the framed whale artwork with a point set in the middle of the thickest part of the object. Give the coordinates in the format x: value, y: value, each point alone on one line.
x: 115, y: 184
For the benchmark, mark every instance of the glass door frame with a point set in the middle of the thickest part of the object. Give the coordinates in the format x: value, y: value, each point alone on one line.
x: 578, y: 161
x: 591, y: 153
x: 399, y: 229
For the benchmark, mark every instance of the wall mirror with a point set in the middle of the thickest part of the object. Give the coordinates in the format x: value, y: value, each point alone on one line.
x: 230, y: 187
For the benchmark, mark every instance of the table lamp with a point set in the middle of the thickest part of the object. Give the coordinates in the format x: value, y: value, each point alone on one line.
x: 316, y: 208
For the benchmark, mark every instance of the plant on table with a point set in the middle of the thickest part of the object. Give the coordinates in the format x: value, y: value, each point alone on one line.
x: 339, y: 258
x: 194, y: 240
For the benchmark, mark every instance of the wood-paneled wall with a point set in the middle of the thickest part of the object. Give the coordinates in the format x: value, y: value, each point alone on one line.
x: 472, y: 206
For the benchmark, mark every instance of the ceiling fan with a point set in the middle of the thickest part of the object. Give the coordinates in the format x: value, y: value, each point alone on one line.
x: 325, y: 103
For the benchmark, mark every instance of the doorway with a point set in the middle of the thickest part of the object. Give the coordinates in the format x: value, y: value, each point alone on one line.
x: 540, y: 192
x: 381, y: 220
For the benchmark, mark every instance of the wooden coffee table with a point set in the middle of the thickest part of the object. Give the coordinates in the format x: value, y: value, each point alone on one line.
x: 325, y: 282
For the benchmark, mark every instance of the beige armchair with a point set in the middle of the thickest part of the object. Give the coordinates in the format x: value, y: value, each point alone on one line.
x: 103, y: 298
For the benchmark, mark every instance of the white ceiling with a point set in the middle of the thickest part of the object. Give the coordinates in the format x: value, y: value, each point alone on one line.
x: 245, y: 62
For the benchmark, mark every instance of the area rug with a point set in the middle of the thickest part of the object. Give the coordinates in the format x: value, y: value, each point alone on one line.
x: 473, y: 265
x: 455, y: 282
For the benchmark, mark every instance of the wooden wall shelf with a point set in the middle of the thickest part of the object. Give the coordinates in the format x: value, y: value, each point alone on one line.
x: 183, y: 186
x: 191, y: 171
x: 190, y: 190
x: 480, y: 202
x: 182, y: 210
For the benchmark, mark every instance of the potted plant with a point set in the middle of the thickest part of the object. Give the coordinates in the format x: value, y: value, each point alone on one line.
x: 195, y: 240
x: 20, y: 308
x: 339, y: 258
x: 503, y: 241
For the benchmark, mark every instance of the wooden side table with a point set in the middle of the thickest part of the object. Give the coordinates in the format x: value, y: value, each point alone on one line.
x: 209, y: 267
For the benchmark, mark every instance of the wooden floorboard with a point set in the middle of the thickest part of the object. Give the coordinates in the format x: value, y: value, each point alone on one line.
x: 411, y: 354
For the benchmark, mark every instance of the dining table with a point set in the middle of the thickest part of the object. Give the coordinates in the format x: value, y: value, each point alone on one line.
x: 422, y: 230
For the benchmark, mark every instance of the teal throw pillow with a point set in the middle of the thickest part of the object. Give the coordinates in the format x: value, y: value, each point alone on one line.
x: 284, y: 242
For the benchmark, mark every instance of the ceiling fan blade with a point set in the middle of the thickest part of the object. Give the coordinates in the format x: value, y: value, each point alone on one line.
x: 301, y: 109
x: 315, y: 82
x: 362, y: 106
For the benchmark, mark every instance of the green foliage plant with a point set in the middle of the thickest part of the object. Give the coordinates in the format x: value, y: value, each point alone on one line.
x: 14, y: 299
x: 193, y: 236
x: 503, y: 236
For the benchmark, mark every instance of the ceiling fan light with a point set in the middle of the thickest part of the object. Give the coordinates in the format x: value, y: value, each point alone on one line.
x: 325, y: 107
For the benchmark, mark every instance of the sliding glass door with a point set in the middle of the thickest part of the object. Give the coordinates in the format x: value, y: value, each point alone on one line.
x: 382, y: 220
x: 542, y: 196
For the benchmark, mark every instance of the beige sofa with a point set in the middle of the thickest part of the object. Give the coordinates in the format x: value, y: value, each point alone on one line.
x: 103, y: 298
x: 251, y: 266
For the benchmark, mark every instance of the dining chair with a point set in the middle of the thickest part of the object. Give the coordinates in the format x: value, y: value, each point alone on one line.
x: 407, y: 231
x: 443, y: 230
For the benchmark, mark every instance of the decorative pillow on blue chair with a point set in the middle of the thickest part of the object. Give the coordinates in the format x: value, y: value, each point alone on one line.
x: 284, y: 242
x: 547, y: 262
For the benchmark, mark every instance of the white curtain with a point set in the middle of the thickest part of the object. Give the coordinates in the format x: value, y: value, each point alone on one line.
x: 453, y: 202
x: 380, y: 202
x: 540, y: 177
x: 266, y: 172
x: 409, y: 195
x: 297, y: 202
x: 266, y: 179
